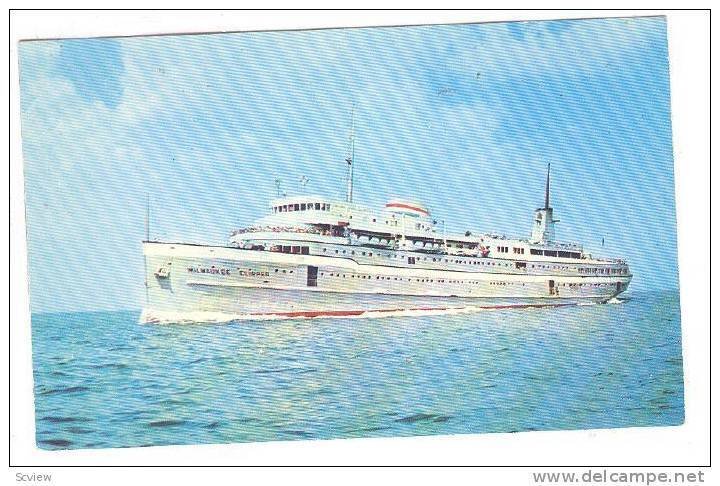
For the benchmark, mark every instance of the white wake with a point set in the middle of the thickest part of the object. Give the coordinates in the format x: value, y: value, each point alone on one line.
x: 208, y: 317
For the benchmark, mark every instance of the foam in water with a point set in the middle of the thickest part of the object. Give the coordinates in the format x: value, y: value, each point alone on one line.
x: 209, y: 317
x: 199, y: 317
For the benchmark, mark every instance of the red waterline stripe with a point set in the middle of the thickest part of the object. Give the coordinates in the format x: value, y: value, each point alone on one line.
x: 348, y: 313
x: 406, y: 206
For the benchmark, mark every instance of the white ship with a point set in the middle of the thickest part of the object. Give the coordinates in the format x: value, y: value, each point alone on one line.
x: 311, y: 256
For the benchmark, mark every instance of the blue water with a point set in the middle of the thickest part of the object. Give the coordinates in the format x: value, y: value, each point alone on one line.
x: 103, y: 380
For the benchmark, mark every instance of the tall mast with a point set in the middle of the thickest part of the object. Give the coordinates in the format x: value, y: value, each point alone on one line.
x: 544, y: 226
x: 547, y: 189
x: 147, y: 238
x: 147, y: 217
x: 445, y: 247
x: 351, y: 157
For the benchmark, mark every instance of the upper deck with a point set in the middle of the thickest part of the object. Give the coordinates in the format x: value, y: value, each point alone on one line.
x: 398, y: 216
x: 400, y: 225
x: 407, y: 226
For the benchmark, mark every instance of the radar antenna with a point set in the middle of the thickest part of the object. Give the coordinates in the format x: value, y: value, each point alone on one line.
x: 303, y: 183
x: 278, y: 188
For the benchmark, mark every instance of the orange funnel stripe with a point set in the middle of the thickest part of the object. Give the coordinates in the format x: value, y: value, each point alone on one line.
x: 407, y: 206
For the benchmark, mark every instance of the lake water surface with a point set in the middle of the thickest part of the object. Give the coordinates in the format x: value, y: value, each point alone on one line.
x: 103, y: 380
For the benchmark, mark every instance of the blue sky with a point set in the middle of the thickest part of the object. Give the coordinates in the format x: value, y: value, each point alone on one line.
x: 461, y: 117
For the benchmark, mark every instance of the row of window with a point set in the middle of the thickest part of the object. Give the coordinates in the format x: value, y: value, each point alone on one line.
x: 304, y: 250
x: 604, y: 271
x: 413, y: 260
x: 470, y: 282
x: 586, y: 284
x: 606, y: 284
x: 499, y: 249
x: 298, y: 250
x: 286, y: 208
x: 554, y: 253
x: 352, y: 252
x: 401, y: 279
x: 533, y: 251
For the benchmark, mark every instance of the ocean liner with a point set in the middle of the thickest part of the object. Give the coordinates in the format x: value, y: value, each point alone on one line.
x: 311, y: 256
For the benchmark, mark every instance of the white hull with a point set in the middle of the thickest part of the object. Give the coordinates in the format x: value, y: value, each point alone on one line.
x: 205, y: 281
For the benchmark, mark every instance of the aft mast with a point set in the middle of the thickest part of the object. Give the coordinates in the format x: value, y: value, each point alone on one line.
x: 547, y: 189
x: 351, y: 157
x: 544, y: 227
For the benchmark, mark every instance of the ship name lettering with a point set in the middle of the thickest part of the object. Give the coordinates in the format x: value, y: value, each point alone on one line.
x: 211, y: 270
x: 254, y: 273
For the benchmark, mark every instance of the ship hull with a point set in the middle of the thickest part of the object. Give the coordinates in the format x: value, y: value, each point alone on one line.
x: 199, y: 283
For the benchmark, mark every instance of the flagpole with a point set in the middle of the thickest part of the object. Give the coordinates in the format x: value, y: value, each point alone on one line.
x: 147, y: 239
x: 351, y: 157
x: 147, y: 217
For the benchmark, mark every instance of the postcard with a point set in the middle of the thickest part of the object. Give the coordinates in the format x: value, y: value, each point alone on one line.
x: 351, y: 232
